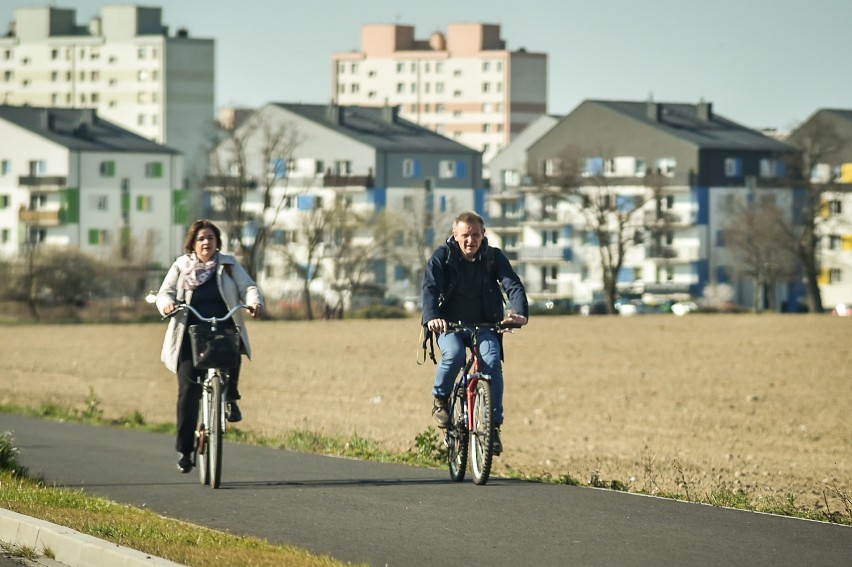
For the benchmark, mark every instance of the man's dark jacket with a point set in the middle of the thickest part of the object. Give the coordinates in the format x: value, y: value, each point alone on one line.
x: 442, y: 276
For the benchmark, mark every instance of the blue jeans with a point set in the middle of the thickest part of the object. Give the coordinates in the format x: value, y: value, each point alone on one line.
x: 453, y: 354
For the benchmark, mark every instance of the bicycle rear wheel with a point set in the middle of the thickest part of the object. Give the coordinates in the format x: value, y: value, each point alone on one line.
x: 457, y: 437
x: 214, y: 444
x: 481, y: 451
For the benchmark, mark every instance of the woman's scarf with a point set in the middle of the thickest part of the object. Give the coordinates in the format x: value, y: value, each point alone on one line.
x: 197, y: 272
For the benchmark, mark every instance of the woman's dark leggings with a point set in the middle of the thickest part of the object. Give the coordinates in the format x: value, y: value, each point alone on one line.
x: 189, y: 396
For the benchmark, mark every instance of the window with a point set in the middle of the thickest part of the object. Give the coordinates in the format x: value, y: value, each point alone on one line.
x: 771, y: 167
x: 343, y: 167
x: 410, y: 168
x: 4, y: 235
x: 400, y: 88
x: 54, y: 54
x: 5, y: 167
x: 143, y: 203
x: 835, y: 242
x: 666, y: 166
x: 408, y: 203
x: 486, y: 87
x: 4, y: 201
x: 154, y: 169
x: 98, y: 237
x: 107, y: 169
x: 485, y: 66
x: 511, y: 178
x: 552, y: 167
x: 439, y: 67
x: 457, y: 73
x: 100, y: 202
x: 439, y: 88
x: 733, y: 167
x: 834, y: 207
x: 37, y: 167
x: 447, y: 168
x: 54, y: 76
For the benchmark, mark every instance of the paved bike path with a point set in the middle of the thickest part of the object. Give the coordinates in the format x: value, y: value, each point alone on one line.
x: 405, y: 516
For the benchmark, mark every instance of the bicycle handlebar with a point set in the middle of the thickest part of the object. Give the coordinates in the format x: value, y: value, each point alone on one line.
x: 455, y: 326
x: 212, y: 320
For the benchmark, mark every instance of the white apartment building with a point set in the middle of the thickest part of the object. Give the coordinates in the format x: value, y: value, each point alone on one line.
x: 71, y: 179
x: 124, y: 64
x: 465, y: 85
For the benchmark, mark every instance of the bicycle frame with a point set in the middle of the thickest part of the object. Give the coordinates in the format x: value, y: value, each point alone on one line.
x: 212, y: 423
x: 471, y: 432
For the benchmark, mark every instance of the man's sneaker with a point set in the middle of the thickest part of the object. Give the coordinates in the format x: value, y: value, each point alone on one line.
x: 496, y: 442
x: 232, y: 411
x: 184, y: 464
x: 441, y: 412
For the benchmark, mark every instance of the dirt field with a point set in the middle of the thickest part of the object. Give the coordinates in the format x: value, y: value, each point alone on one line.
x: 655, y: 401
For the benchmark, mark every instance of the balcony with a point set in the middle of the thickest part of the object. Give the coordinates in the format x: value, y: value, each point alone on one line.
x: 39, y: 217
x: 672, y: 254
x: 329, y: 180
x: 666, y: 219
x: 223, y: 181
x: 545, y: 254
x: 513, y: 221
x: 43, y: 182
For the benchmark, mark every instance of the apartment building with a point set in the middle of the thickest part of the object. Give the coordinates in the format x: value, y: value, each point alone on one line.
x: 826, y: 140
x: 668, y: 179
x: 465, y: 84
x: 124, y: 64
x: 361, y: 160
x: 71, y: 179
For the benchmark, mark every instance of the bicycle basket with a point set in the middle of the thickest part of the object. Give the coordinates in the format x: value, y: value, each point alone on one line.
x: 214, y: 349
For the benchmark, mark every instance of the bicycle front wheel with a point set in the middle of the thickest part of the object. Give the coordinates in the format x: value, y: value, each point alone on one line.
x: 201, y: 437
x: 481, y: 451
x: 214, y: 444
x: 457, y: 437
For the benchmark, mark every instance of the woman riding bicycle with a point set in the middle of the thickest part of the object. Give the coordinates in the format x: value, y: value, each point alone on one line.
x: 212, y: 283
x: 462, y: 283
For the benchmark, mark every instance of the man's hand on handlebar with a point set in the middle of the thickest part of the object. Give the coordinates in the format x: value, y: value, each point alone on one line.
x: 255, y: 310
x: 437, y: 326
x: 514, y: 320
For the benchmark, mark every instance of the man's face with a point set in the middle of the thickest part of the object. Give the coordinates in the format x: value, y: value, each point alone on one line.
x: 469, y: 238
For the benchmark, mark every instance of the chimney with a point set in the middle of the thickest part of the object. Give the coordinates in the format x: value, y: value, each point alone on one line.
x: 48, y: 120
x: 654, y: 111
x: 705, y: 111
x: 88, y: 116
x: 334, y: 114
x: 390, y: 114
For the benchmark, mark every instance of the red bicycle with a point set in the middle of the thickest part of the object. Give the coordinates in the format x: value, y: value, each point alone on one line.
x: 471, y: 430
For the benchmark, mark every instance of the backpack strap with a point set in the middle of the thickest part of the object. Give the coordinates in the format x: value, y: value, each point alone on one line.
x: 426, y: 336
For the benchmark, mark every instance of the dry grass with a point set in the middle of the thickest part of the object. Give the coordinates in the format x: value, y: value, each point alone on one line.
x: 677, y: 406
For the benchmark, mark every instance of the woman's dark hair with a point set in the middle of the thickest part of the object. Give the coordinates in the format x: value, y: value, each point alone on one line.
x: 195, y: 228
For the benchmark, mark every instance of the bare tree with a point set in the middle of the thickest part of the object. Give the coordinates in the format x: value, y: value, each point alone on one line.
x: 612, y: 215
x: 353, y: 258
x: 756, y: 235
x: 820, y: 144
x: 256, y: 155
x: 305, y: 252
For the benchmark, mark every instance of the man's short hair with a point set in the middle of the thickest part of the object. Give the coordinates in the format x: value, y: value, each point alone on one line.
x: 469, y: 217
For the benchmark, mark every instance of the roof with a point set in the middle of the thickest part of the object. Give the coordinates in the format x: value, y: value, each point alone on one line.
x: 79, y: 129
x: 378, y: 127
x: 683, y: 121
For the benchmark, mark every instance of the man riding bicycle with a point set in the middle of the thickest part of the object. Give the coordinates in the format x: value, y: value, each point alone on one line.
x: 462, y: 283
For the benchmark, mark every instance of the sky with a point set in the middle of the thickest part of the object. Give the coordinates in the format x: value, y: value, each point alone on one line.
x: 762, y: 63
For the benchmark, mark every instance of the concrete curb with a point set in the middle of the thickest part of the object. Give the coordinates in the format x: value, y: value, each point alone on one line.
x: 70, y: 547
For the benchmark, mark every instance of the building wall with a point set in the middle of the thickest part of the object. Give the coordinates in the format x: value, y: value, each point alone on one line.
x: 100, y: 200
x: 466, y: 86
x: 124, y: 64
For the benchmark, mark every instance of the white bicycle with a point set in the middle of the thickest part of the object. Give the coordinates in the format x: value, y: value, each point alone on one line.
x: 215, y: 349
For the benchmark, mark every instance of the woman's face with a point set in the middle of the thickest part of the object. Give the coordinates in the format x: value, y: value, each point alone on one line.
x: 205, y: 244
